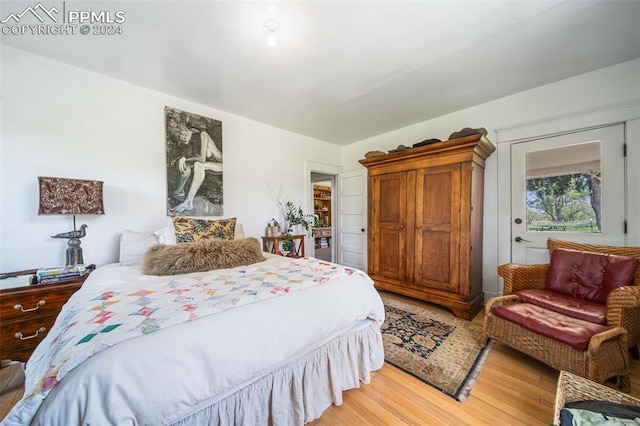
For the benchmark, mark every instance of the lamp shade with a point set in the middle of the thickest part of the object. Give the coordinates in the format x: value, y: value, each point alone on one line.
x: 70, y: 196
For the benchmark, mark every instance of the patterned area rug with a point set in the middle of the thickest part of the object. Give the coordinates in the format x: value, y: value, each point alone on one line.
x: 436, y: 347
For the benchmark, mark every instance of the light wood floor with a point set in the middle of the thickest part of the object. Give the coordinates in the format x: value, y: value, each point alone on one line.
x: 512, y: 389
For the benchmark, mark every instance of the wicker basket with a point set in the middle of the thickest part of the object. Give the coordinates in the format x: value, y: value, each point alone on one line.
x: 573, y: 388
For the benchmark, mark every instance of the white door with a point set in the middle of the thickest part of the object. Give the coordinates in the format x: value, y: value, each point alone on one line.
x: 569, y: 187
x: 352, y: 216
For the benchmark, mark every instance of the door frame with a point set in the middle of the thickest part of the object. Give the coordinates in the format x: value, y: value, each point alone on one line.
x: 327, y: 169
x: 625, y: 113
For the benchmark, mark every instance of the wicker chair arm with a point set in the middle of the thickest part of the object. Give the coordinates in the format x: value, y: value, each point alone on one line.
x: 624, y: 297
x: 491, y: 303
x: 521, y: 277
x: 612, y: 333
x: 616, y: 338
x: 497, y: 300
x: 623, y: 310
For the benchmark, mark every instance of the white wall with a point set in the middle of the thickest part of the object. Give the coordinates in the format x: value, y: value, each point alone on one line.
x: 584, y: 95
x: 63, y: 121
x: 59, y: 120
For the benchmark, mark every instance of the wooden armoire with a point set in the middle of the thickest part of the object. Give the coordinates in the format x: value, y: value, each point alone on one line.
x: 425, y: 222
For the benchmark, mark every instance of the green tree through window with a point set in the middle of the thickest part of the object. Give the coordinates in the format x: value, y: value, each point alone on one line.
x: 570, y: 202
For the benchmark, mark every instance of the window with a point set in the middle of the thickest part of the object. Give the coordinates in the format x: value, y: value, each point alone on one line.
x: 563, y: 192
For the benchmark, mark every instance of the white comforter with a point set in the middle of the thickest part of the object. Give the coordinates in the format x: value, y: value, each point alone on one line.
x: 161, y: 377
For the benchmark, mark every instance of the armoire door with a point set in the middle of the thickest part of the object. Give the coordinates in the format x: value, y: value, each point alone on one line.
x: 388, y: 209
x: 437, y: 227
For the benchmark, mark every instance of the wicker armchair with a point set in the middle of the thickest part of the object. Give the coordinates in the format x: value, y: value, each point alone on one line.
x: 623, y: 304
x: 572, y: 388
x: 606, y: 356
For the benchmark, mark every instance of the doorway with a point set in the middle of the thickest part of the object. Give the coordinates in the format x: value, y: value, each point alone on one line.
x: 569, y: 187
x: 323, y: 192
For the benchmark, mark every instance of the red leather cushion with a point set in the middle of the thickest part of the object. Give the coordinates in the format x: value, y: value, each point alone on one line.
x: 562, y: 328
x: 584, y: 309
x: 589, y: 275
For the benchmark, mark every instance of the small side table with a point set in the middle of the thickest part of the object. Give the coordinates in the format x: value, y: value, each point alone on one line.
x: 297, y: 250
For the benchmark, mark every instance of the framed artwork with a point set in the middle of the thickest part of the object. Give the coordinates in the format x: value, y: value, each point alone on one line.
x: 194, y: 164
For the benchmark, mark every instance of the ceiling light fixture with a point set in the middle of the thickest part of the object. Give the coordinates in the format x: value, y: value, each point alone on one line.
x: 272, y: 32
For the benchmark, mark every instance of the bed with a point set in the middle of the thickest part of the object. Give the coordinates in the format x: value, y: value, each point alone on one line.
x: 266, y: 356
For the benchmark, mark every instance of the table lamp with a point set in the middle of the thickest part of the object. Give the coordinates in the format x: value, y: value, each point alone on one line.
x: 70, y: 197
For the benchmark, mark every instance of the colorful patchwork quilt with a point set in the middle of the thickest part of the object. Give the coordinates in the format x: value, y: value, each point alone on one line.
x: 86, y: 327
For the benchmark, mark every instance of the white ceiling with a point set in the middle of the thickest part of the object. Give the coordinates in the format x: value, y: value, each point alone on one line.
x: 347, y: 70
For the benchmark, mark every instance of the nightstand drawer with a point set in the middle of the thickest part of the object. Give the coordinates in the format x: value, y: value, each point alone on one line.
x: 29, y: 332
x: 45, y: 301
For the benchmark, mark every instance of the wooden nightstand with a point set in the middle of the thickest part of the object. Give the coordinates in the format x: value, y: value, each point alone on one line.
x: 27, y: 313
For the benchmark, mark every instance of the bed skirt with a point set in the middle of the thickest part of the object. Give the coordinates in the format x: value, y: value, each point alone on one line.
x: 299, y: 391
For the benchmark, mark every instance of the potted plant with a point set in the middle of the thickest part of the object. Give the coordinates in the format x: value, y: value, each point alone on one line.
x: 296, y: 219
x: 287, y: 246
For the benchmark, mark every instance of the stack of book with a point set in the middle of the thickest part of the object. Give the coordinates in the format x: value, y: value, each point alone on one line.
x: 60, y: 274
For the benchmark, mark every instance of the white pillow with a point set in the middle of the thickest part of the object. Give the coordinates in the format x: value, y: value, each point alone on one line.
x: 166, y: 235
x: 239, y: 232
x: 134, y: 245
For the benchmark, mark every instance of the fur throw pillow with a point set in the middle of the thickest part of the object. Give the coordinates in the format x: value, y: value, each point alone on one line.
x: 201, y: 256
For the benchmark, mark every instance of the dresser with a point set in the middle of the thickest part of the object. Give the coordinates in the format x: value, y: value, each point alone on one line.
x: 425, y: 222
x: 28, y: 312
